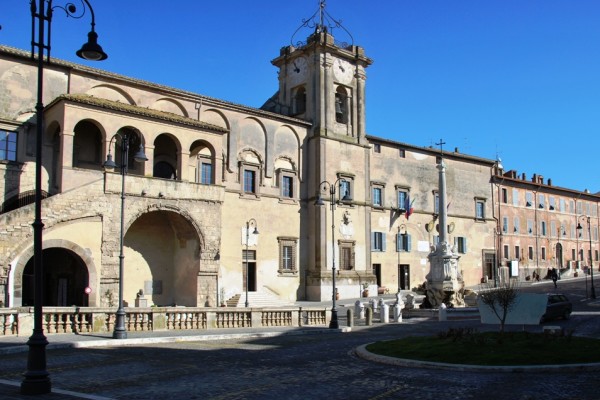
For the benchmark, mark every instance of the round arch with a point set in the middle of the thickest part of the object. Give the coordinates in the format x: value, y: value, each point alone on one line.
x: 75, y: 264
x: 162, y: 258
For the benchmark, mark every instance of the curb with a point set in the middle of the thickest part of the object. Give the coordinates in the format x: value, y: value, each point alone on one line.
x: 362, y: 352
x: 172, y: 339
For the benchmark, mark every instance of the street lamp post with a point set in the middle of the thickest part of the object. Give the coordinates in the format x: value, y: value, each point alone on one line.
x: 333, y: 324
x: 250, y: 222
x: 36, y: 379
x: 591, y: 266
x: 119, y: 331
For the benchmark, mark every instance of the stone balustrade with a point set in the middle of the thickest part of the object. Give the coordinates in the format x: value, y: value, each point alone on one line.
x: 56, y: 320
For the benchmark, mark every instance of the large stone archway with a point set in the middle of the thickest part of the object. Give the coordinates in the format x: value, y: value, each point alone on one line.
x: 162, y: 258
x: 68, y: 270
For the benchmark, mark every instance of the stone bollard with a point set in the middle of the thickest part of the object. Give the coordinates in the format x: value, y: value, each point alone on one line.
x: 380, y: 303
x: 368, y: 317
x: 397, y: 312
x: 385, y: 313
x: 357, y: 305
x: 350, y: 317
x: 359, y: 309
x: 373, y: 305
x: 442, y: 313
x: 410, y: 301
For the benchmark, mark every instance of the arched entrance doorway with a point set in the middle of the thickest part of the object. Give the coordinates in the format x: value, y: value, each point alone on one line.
x: 559, y: 256
x: 65, y: 278
x: 162, y: 258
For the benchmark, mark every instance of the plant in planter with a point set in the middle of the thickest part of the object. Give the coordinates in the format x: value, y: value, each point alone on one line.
x: 365, y: 292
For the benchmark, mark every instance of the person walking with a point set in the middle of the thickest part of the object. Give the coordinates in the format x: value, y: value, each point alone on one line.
x: 554, y: 276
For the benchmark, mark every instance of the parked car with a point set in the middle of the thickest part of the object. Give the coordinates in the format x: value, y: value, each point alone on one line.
x: 558, y: 306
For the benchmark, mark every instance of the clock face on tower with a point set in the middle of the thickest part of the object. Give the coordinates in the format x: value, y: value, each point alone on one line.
x: 343, y: 71
x: 297, y: 71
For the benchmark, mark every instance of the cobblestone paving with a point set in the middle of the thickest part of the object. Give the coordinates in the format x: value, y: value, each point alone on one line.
x: 292, y: 367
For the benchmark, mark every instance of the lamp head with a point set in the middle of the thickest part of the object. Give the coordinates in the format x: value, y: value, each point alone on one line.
x: 255, y: 230
x: 579, y: 227
x: 109, y: 164
x: 319, y: 201
x: 140, y: 156
x: 91, y: 50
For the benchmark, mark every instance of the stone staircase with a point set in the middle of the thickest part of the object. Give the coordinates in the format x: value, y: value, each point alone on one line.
x: 78, y: 203
x: 262, y: 299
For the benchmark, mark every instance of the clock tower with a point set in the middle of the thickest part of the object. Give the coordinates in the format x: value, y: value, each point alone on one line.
x: 322, y: 81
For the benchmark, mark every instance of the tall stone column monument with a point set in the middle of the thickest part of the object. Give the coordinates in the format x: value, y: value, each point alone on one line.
x: 444, y: 281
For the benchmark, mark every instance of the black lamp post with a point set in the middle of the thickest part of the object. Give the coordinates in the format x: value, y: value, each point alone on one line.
x: 36, y: 379
x: 119, y: 331
x: 250, y: 222
x: 579, y: 227
x: 333, y: 324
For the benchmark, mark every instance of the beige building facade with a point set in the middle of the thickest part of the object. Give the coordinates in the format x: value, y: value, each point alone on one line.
x: 232, y: 199
x: 542, y: 226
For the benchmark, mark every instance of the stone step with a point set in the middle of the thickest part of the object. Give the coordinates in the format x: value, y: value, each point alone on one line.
x: 257, y: 299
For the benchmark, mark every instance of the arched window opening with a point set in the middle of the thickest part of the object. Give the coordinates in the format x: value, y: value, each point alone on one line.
x: 165, y: 158
x: 300, y: 101
x: 135, y: 141
x: 87, y: 146
x: 341, y: 106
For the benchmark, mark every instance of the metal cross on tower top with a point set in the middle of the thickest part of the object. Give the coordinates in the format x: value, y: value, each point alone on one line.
x: 441, y: 144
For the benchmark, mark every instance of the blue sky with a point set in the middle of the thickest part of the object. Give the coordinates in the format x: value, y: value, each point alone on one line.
x: 517, y: 78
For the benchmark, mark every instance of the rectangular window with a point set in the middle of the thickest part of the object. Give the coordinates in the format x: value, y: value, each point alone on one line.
x: 528, y: 199
x: 461, y: 244
x: 402, y: 197
x: 504, y: 195
x: 505, y: 251
x: 552, y: 204
x: 516, y: 227
x: 377, y: 241
x: 345, y: 189
x: 287, y: 254
x: 377, y: 148
x: 573, y: 255
x: 436, y: 203
x: 403, y: 242
x: 504, y: 224
x: 517, y: 252
x: 515, y: 199
x: 286, y: 257
x: 571, y: 206
x: 479, y: 209
x: 377, y: 197
x: 346, y: 255
x: 206, y: 173
x: 562, y: 206
x: 530, y: 253
x: 543, y: 253
x: 8, y: 145
x: 553, y: 230
x: 401, y: 153
x: 579, y: 208
x: 543, y: 228
x: 287, y: 186
x: 541, y: 201
x: 249, y: 181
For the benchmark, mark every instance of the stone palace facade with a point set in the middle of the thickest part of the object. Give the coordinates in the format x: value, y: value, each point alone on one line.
x: 218, y: 173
